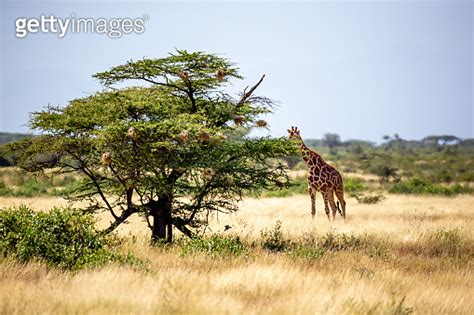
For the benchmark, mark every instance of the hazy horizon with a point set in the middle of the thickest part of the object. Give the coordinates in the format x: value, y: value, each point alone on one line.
x: 361, y: 70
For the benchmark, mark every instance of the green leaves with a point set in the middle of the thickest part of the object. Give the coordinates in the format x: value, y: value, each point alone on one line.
x: 180, y: 71
x: 179, y: 135
x: 60, y: 237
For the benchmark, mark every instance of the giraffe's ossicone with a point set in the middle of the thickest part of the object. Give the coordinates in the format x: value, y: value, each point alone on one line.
x: 321, y: 177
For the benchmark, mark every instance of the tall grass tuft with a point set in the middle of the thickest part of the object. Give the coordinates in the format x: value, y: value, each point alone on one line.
x: 274, y: 239
x: 216, y: 245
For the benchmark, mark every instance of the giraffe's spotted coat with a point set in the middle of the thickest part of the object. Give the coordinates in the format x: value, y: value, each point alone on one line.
x: 321, y: 177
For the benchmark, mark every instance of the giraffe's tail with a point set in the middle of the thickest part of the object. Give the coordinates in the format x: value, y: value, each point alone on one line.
x: 338, y: 208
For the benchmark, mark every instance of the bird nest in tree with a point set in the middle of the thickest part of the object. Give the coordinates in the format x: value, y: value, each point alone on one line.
x: 220, y: 74
x: 261, y: 123
x: 106, y: 158
x: 229, y: 180
x: 132, y: 133
x: 184, y: 136
x: 204, y: 137
x: 239, y: 119
x: 184, y: 75
x: 208, y: 173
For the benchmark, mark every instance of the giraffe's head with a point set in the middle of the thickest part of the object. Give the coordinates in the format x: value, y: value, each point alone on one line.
x: 294, y: 133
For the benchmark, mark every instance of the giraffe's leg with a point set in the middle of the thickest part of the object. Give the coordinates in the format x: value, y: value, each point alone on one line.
x: 326, y: 205
x: 338, y: 208
x: 332, y: 204
x: 312, y: 194
x: 340, y: 197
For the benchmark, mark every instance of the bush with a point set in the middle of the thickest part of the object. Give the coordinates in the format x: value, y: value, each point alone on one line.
x: 353, y: 185
x: 4, y: 191
x: 273, y: 239
x: 420, y: 186
x: 28, y: 188
x: 378, y: 250
x: 16, y: 183
x: 382, y: 170
x: 285, y: 192
x: 32, y: 187
x: 369, y: 199
x: 299, y: 185
x: 337, y: 242
x: 216, y: 245
x: 61, y: 237
x: 64, y: 180
x: 69, y: 189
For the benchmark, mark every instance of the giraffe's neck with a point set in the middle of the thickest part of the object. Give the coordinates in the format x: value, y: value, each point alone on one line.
x: 310, y: 157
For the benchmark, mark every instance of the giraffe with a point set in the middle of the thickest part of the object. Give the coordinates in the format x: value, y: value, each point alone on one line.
x: 321, y: 177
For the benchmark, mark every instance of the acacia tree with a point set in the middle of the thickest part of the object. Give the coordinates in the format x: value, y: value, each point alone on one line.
x: 170, y: 149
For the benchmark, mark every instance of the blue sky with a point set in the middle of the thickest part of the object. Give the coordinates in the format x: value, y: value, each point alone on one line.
x: 359, y: 69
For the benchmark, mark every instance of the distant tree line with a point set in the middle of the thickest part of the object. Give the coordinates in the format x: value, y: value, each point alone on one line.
x: 7, y: 159
x: 332, y: 141
x: 7, y: 137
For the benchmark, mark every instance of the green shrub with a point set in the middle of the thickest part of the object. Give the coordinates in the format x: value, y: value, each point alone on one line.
x: 28, y: 188
x: 4, y: 191
x: 63, y: 238
x: 369, y: 199
x: 299, y: 185
x: 33, y: 187
x: 377, y: 251
x: 64, y: 180
x: 278, y: 193
x: 337, y: 242
x: 383, y: 170
x: 273, y: 239
x: 69, y: 189
x: 420, y: 186
x: 353, y: 185
x: 216, y: 245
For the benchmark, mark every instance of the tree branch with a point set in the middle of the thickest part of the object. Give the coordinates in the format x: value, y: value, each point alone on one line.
x: 198, y: 201
x: 243, y: 99
x: 89, y: 174
x: 163, y: 84
x: 192, y: 99
x: 246, y: 95
x: 119, y: 220
x: 99, y: 190
x: 180, y: 225
x: 128, y: 190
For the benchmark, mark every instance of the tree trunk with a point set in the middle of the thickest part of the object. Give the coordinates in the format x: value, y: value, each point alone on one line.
x: 161, y: 212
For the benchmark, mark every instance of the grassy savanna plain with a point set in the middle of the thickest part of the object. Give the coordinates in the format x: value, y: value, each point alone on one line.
x: 405, y: 254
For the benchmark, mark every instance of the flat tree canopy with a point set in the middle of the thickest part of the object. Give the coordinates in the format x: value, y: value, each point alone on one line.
x: 171, y: 149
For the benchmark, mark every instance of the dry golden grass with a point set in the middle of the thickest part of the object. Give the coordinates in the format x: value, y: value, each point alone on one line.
x: 398, y: 215
x: 261, y: 282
